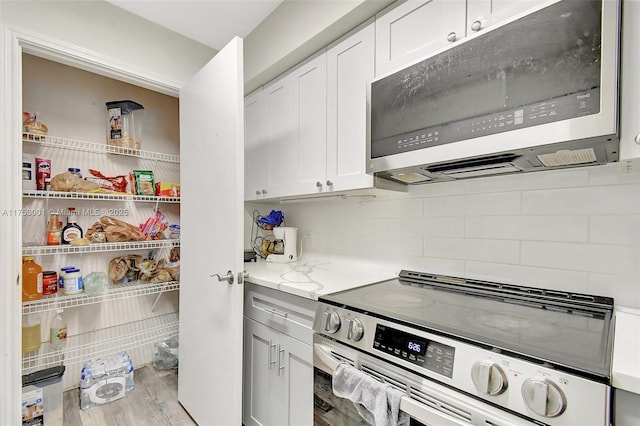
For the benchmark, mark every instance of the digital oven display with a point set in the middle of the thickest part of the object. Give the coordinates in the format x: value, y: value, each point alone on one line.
x: 432, y: 355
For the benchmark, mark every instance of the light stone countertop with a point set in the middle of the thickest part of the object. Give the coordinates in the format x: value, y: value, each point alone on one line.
x: 314, y: 275
x: 625, y: 368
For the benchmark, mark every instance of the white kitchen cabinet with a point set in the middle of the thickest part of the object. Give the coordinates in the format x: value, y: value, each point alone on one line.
x: 256, y: 154
x: 278, y: 378
x: 630, y: 82
x: 278, y: 358
x: 309, y: 102
x: 350, y: 69
x: 482, y: 14
x: 414, y: 29
x: 282, y: 158
x: 295, y: 127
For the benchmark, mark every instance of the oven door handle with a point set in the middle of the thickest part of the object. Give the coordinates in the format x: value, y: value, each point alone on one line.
x: 324, y: 353
x: 420, y: 412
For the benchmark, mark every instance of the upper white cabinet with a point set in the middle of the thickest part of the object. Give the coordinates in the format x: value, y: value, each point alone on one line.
x: 306, y: 131
x: 482, y: 14
x: 630, y: 84
x: 280, y: 132
x: 416, y: 28
x: 309, y: 124
x: 256, y: 154
x: 350, y: 68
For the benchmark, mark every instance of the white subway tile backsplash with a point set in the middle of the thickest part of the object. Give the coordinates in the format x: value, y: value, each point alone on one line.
x: 539, y: 180
x: 581, y: 257
x: 572, y: 230
x: 501, y: 203
x: 537, y: 228
x: 612, y: 199
x: 625, y: 289
x: 406, y: 226
x: 551, y: 279
x: 501, y: 251
x: 443, y: 227
x: 368, y: 244
x: 615, y: 229
x: 410, y: 207
x: 614, y: 173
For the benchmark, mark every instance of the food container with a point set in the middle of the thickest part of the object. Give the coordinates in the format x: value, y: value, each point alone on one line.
x: 42, y: 397
x: 124, y: 124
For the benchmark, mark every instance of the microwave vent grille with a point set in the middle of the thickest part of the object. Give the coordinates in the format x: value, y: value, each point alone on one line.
x: 568, y: 158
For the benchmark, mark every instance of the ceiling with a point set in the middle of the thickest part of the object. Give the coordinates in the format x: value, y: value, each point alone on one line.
x: 211, y: 22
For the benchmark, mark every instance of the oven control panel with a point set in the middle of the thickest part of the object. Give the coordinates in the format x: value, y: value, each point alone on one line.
x: 429, y: 354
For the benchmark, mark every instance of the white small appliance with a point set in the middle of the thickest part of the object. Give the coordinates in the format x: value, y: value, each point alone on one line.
x: 289, y: 238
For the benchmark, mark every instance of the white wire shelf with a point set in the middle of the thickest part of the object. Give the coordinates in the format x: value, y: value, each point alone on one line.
x: 99, y: 247
x: 98, y: 196
x: 99, y: 148
x: 112, y: 292
x: 83, y: 347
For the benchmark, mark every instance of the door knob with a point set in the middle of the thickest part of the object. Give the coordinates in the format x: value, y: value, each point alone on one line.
x: 228, y: 277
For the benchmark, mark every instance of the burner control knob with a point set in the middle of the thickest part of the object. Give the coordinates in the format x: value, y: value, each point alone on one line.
x: 356, y: 330
x: 331, y: 321
x: 543, y: 397
x: 488, y: 377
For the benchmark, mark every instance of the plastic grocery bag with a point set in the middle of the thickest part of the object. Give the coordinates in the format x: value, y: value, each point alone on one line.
x: 166, y: 354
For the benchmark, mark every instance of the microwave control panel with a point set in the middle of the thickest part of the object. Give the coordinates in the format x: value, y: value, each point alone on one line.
x: 562, y: 108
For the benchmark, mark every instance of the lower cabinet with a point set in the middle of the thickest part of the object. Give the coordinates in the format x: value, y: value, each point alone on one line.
x: 278, y: 378
x: 278, y: 358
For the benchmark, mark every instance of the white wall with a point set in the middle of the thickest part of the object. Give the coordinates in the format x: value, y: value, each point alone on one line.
x: 575, y: 230
x: 119, y: 35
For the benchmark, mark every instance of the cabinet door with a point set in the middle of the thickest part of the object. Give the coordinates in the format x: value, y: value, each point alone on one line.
x: 256, y: 148
x: 297, y: 370
x: 630, y: 85
x: 212, y: 134
x: 350, y: 69
x: 482, y: 14
x: 281, y: 134
x: 309, y: 94
x: 265, y: 401
x: 415, y: 29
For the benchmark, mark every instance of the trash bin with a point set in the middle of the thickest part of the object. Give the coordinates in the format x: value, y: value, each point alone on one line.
x: 42, y: 397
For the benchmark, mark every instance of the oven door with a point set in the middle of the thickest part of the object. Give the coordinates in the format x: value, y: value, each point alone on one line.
x: 426, y: 402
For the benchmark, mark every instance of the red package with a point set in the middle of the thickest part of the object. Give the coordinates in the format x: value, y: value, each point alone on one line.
x: 115, y: 183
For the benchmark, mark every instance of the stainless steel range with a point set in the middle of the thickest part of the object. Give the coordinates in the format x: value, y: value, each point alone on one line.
x: 469, y: 352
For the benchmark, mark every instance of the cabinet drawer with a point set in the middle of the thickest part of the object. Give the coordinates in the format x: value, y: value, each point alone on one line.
x: 287, y: 313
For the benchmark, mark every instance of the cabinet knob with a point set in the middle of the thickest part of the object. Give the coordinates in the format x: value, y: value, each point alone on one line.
x: 258, y: 192
x: 451, y: 37
x: 264, y: 191
x: 637, y: 139
x: 476, y: 26
x: 329, y: 183
x: 319, y: 184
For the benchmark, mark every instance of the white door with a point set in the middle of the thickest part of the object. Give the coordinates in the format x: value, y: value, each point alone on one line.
x: 212, y: 179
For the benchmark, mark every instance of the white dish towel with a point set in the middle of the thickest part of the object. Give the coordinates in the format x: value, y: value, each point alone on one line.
x: 378, y: 403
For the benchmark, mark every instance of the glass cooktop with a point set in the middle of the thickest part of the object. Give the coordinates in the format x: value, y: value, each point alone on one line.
x: 566, y: 329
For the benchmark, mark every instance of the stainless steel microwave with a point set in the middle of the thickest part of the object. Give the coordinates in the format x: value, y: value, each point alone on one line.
x: 537, y: 92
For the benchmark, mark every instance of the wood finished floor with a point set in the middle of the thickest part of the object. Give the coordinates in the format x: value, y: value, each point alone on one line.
x: 154, y: 402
